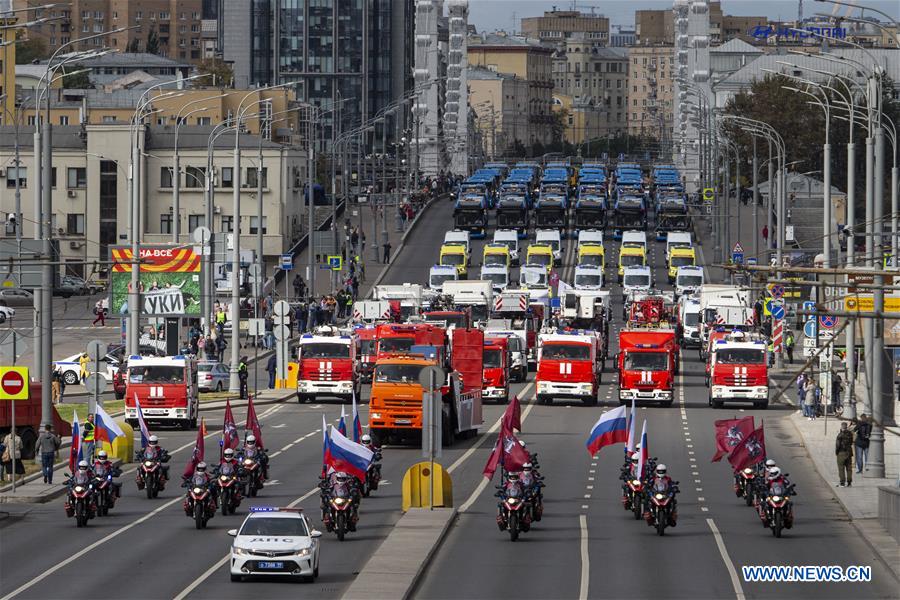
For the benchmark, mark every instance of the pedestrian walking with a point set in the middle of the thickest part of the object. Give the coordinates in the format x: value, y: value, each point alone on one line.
x: 100, y: 312
x: 299, y: 286
x: 354, y: 239
x: 57, y: 384
x: 242, y: 377
x: 789, y: 346
x: 809, y: 399
x: 843, y: 450
x: 83, y: 362
x: 362, y: 240
x: 87, y: 439
x: 12, y: 456
x: 837, y: 386
x: 861, y: 442
x: 765, y: 234
x: 47, y: 447
x: 387, y: 252
x: 801, y: 392
x: 271, y: 367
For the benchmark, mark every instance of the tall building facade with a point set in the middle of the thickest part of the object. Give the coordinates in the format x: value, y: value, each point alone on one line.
x: 650, y: 90
x: 352, y: 58
x: 658, y: 26
x: 170, y: 28
x: 556, y: 26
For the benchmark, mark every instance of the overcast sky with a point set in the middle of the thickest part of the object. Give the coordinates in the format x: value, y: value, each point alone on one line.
x: 507, y: 14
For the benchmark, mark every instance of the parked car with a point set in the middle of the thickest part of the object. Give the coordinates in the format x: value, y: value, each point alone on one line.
x: 6, y: 313
x: 16, y: 297
x: 71, y: 368
x: 212, y: 376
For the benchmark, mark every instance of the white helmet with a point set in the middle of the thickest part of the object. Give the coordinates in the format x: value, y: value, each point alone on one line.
x: 82, y: 465
x: 229, y: 453
x: 522, y: 443
x: 635, y: 457
x: 102, y: 455
x: 153, y: 440
x: 770, y: 463
x: 366, y: 439
x: 201, y: 467
x: 661, y: 469
x: 251, y: 439
x: 527, y: 467
x: 774, y: 472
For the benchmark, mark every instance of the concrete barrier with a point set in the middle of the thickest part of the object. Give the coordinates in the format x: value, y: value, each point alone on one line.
x: 889, y: 510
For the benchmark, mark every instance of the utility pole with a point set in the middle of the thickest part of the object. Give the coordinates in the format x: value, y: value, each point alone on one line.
x: 234, y: 382
x: 755, y: 202
x: 310, y: 198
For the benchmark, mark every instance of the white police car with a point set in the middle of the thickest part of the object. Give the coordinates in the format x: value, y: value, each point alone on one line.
x: 275, y: 541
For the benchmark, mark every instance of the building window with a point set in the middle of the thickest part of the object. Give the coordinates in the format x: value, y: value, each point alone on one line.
x: 76, y: 178
x: 204, y: 120
x: 108, y: 119
x: 165, y: 223
x: 11, y: 173
x: 63, y: 120
x: 227, y: 223
x: 195, y: 221
x: 254, y: 222
x: 227, y: 177
x: 194, y: 177
x: 53, y: 178
x: 75, y: 224
x: 165, y: 177
x: 251, y: 178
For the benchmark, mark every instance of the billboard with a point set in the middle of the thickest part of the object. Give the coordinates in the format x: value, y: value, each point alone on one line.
x: 169, y: 281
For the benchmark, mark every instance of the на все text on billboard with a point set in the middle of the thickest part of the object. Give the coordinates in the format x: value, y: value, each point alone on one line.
x: 169, y: 281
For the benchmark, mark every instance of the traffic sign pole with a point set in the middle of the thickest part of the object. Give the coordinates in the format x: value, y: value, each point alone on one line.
x: 13, y: 387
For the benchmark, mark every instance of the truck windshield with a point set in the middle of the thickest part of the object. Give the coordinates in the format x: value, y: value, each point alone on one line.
x: 566, y: 352
x: 552, y: 242
x: 637, y: 280
x: 437, y: 280
x: 497, y: 279
x: 479, y: 312
x: 495, y: 259
x: 511, y: 244
x: 366, y: 346
x: 397, y: 373
x: 631, y: 260
x: 450, y: 318
x: 740, y: 356
x: 395, y: 344
x: 691, y: 319
x: 491, y: 359
x: 533, y: 278
x: 540, y: 259
x: 156, y: 374
x: 594, y: 260
x: 325, y: 350
x: 452, y: 259
x: 646, y: 361
x: 690, y: 281
x: 681, y: 261
x: 587, y: 280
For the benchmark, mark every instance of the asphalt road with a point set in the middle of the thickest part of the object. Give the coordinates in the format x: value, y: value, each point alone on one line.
x: 584, y: 537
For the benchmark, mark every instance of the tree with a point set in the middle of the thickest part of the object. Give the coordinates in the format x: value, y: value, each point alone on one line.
x: 78, y: 81
x: 559, y: 124
x: 217, y: 71
x: 152, y: 42
x: 28, y: 51
x: 133, y: 46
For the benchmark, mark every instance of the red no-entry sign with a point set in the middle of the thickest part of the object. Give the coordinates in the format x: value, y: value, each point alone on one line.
x: 13, y: 383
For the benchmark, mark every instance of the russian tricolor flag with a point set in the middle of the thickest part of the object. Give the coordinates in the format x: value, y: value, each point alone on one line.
x: 645, y: 452
x: 357, y: 426
x: 345, y: 455
x: 611, y: 428
x: 342, y: 424
x: 75, y: 450
x: 145, y: 431
x: 106, y: 429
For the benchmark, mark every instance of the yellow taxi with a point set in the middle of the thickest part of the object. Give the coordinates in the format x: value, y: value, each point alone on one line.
x: 455, y: 255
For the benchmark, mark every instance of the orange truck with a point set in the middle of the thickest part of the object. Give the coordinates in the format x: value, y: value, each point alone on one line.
x: 400, y: 338
x: 395, y: 404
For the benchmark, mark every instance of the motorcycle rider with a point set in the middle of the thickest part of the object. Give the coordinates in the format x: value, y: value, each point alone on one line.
x: 200, y: 471
x: 154, y: 451
x: 104, y: 462
x: 340, y: 478
x: 661, y: 480
x: 774, y: 476
x: 251, y: 450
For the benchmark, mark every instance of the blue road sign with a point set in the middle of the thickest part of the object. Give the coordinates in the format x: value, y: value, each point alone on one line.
x: 809, y: 329
x: 828, y: 321
x: 335, y: 263
x: 621, y: 156
x: 287, y: 262
x: 737, y: 258
x: 809, y: 306
x: 777, y: 310
x: 751, y: 260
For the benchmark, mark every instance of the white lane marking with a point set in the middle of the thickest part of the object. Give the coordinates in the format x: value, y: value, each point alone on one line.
x: 704, y: 509
x: 274, y: 454
x: 87, y: 549
x: 484, y: 480
x: 732, y: 572
x: 701, y: 498
x: 585, y: 560
x: 584, y: 506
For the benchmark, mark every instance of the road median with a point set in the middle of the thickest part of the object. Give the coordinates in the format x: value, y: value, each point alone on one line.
x: 397, y: 565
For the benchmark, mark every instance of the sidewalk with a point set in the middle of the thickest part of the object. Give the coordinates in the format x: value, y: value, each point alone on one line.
x: 34, y: 490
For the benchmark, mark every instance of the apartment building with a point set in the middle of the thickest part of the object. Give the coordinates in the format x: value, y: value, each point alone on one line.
x: 499, y: 101
x: 7, y: 72
x: 591, y: 82
x: 170, y: 28
x: 654, y: 27
x: 557, y: 26
x: 527, y: 59
x: 651, y: 71
x: 90, y: 188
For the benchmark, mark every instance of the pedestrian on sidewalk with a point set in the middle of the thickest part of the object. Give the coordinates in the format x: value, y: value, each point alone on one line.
x: 242, y: 377
x: 809, y: 399
x: 57, y: 383
x: 354, y: 239
x: 100, y: 312
x: 12, y: 456
x: 271, y: 367
x: 87, y: 439
x: 837, y: 386
x: 47, y: 447
x: 863, y: 431
x: 801, y: 392
x: 765, y: 234
x: 83, y: 362
x: 387, y: 252
x: 789, y: 345
x: 300, y: 317
x: 299, y: 286
x: 843, y: 449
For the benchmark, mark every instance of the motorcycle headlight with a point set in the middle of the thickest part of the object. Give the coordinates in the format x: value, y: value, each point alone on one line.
x: 223, y: 477
x: 339, y: 501
x: 776, y: 498
x: 636, y: 482
x: 748, y: 470
x: 198, y: 490
x: 247, y: 461
x: 513, y: 500
x: 148, y: 463
x: 79, y: 489
x: 660, y: 496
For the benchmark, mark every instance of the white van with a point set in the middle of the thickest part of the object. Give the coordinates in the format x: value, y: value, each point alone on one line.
x: 634, y: 238
x: 677, y: 239
x: 590, y: 236
x: 458, y: 236
x: 551, y: 238
x: 509, y: 238
x: 438, y: 274
x: 688, y: 280
x: 588, y: 277
x: 689, y: 322
x: 498, y: 275
x: 637, y: 280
